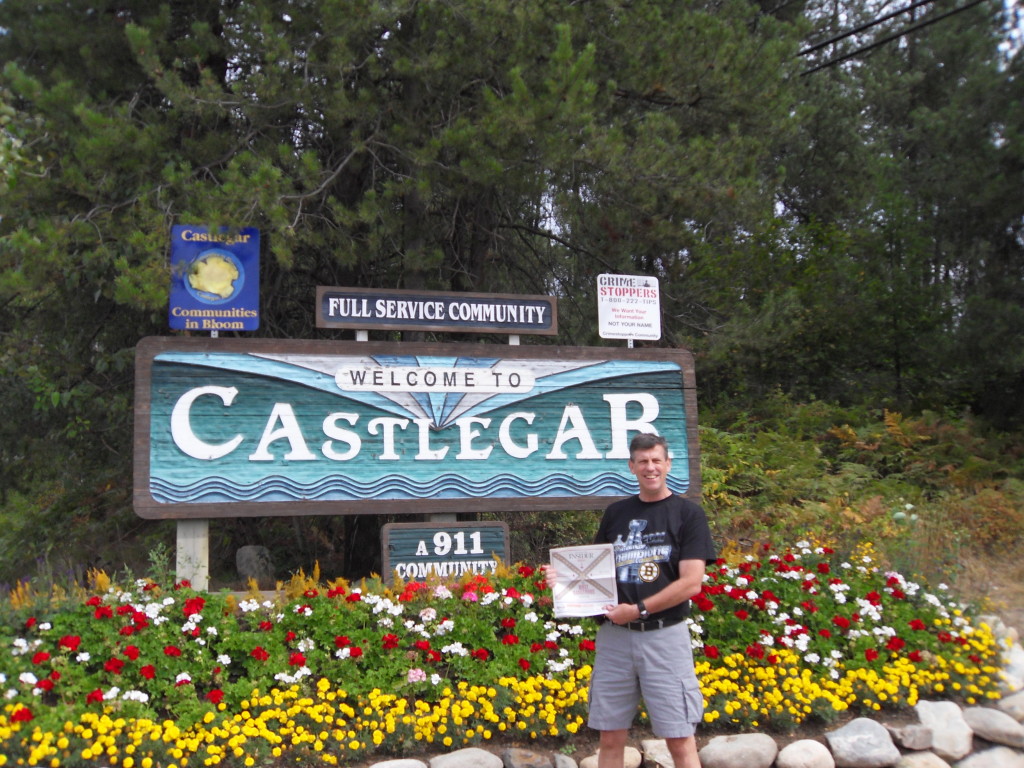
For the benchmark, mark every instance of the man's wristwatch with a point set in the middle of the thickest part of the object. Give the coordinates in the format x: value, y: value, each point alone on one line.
x: 644, y: 613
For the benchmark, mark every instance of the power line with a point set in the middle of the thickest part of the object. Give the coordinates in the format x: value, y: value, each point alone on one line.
x: 862, y: 27
x: 889, y: 38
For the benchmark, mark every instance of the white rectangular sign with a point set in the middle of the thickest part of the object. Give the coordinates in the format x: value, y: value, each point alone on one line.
x: 585, y: 580
x: 628, y: 307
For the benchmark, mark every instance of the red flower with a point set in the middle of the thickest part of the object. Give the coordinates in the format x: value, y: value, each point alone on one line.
x: 45, y: 685
x: 526, y: 572
x: 355, y: 652
x: 30, y: 622
x: 148, y: 671
x: 93, y: 601
x: 114, y: 665
x: 825, y: 633
x: 259, y: 654
x: 126, y: 631
x: 899, y: 594
x: 524, y: 664
x: 289, y: 636
x: 587, y: 645
x: 131, y: 652
x: 296, y: 660
x: 21, y: 715
x: 481, y: 654
x: 510, y: 640
x: 71, y: 642
x: 534, y: 647
x: 340, y: 641
x: 508, y: 622
x: 871, y: 654
x: 96, y: 695
x: 895, y: 644
x: 124, y: 610
x: 194, y: 605
x: 841, y: 621
x: 40, y: 656
x: 311, y: 593
x: 703, y: 603
x: 873, y: 597
x: 914, y: 656
x: 711, y: 651
x: 355, y: 597
x: 823, y: 568
x: 183, y: 584
x: 434, y: 656
x: 389, y: 641
x: 140, y: 620
x: 54, y: 675
x: 945, y: 637
x: 741, y: 614
x: 172, y: 650
x: 103, y: 612
x: 917, y: 624
x: 755, y: 651
x: 423, y: 645
x: 216, y: 696
x: 266, y: 626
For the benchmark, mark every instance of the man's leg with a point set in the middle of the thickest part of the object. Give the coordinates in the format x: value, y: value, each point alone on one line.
x: 611, y: 749
x: 684, y: 752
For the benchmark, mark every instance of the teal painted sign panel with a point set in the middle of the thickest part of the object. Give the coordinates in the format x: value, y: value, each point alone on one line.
x: 228, y: 427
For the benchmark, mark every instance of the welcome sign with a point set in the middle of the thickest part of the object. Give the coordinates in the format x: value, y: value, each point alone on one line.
x: 258, y: 427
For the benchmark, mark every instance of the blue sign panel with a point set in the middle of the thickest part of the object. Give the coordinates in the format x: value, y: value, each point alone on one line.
x: 215, y: 279
x: 267, y: 426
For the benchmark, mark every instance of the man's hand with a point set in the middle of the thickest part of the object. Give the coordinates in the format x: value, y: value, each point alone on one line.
x: 621, y: 613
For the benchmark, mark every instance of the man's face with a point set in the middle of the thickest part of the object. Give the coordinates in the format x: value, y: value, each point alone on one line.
x: 651, y: 468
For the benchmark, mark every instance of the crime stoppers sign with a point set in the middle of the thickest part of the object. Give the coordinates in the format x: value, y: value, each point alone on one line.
x: 257, y: 427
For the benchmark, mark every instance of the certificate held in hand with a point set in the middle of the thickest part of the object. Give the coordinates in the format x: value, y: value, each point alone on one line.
x: 585, y: 580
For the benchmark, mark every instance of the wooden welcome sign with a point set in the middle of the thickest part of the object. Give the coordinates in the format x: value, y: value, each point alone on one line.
x: 259, y: 427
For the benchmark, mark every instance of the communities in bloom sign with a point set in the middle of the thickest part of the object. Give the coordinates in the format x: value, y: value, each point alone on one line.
x: 228, y: 427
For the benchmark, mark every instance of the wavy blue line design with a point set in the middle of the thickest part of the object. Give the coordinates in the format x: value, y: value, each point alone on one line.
x: 341, y: 487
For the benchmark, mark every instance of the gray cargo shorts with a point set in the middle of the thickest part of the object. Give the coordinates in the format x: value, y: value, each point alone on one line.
x: 656, y: 666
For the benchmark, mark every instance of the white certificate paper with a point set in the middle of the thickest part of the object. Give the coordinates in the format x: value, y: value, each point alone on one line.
x: 586, y: 580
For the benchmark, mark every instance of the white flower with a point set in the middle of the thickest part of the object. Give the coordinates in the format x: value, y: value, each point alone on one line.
x: 442, y: 592
x: 385, y: 621
x: 489, y: 598
x: 247, y: 606
x: 112, y: 694
x: 211, y: 630
x: 306, y: 644
x: 45, y: 626
x: 343, y: 653
x: 159, y: 620
x: 10, y: 693
x: 27, y: 678
x: 83, y: 657
x: 455, y: 649
x: 445, y: 627
x: 435, y: 679
x: 135, y: 696
x: 303, y: 610
x: 183, y: 677
x: 527, y: 599
x: 428, y: 614
x: 812, y: 658
x: 531, y: 617
x: 224, y: 659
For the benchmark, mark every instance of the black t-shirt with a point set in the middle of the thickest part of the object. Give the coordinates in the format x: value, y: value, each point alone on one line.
x: 650, y: 538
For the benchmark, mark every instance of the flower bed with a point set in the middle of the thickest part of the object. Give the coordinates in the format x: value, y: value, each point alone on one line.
x: 142, y: 676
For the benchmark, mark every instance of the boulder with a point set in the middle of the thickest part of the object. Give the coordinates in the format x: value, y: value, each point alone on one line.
x: 952, y: 737
x: 862, y: 743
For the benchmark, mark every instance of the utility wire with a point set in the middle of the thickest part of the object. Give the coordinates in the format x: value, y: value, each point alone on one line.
x: 891, y: 37
x: 862, y: 27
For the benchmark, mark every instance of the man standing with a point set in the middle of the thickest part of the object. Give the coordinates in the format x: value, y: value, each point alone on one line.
x: 662, y: 547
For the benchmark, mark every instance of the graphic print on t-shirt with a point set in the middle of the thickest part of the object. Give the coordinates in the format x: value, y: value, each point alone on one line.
x: 640, y: 557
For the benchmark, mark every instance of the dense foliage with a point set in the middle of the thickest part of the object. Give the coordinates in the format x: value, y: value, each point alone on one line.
x: 147, y: 674
x: 851, y: 235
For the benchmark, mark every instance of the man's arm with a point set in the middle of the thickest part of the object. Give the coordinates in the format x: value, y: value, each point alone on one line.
x: 691, y: 576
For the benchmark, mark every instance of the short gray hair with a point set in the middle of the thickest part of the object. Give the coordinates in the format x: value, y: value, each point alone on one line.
x: 645, y: 441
